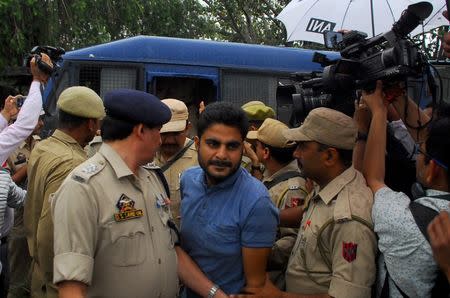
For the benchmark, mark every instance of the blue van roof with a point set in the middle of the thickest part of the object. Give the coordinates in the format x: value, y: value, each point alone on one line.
x: 153, y: 49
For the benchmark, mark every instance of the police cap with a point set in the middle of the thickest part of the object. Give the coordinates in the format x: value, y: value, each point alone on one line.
x: 82, y: 102
x: 136, y: 107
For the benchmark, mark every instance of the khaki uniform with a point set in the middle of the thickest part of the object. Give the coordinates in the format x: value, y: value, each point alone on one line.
x: 173, y: 174
x: 50, y: 163
x: 111, y: 230
x: 18, y: 255
x: 342, y: 210
x: 285, y: 194
x: 93, y: 146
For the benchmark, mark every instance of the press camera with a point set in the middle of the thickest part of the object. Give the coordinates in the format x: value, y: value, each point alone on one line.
x: 390, y: 57
x: 53, y: 52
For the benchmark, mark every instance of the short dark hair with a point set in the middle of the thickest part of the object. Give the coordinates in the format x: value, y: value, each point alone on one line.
x: 438, y: 141
x: 345, y: 155
x: 115, y: 129
x: 223, y: 113
x: 281, y: 155
x: 69, y: 121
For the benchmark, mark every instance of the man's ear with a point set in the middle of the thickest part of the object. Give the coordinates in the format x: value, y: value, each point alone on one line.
x: 266, y: 153
x: 331, y: 156
x: 197, y: 142
x: 138, y: 130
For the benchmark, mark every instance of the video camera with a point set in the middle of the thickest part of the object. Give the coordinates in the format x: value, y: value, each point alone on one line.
x: 390, y: 57
x: 53, y: 52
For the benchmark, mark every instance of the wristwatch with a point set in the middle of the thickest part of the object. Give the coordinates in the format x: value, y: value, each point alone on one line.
x: 213, y: 291
x: 260, y: 167
x: 362, y: 136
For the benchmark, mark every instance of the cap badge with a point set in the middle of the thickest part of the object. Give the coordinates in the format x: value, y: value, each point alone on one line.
x: 126, y: 209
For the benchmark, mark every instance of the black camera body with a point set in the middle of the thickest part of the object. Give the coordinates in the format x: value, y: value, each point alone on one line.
x: 390, y: 57
x: 53, y: 52
x: 20, y: 101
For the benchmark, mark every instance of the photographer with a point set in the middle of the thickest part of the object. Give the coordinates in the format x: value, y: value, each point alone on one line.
x: 406, y: 267
x: 12, y: 136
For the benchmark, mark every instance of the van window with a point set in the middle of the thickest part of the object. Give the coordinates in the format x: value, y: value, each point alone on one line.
x: 241, y: 87
x: 188, y: 89
x: 102, y: 79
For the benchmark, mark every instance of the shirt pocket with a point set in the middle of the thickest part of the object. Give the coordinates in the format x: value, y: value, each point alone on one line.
x: 128, y: 243
x: 224, y: 238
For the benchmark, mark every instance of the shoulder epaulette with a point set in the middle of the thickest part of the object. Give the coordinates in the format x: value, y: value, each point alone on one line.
x: 88, y: 170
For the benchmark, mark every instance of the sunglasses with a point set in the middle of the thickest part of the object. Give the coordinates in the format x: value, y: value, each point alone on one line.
x: 417, y: 150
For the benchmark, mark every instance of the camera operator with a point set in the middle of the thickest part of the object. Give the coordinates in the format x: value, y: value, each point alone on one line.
x: 406, y: 267
x: 12, y: 136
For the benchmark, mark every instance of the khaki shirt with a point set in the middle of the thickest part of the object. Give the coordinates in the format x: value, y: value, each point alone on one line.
x: 286, y: 194
x: 93, y: 146
x: 110, y: 231
x: 50, y: 162
x: 173, y: 174
x: 349, y: 245
x: 20, y: 156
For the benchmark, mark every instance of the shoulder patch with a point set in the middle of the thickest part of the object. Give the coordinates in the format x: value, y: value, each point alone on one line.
x: 88, y: 170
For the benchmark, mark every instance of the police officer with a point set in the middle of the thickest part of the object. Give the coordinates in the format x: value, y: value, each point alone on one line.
x: 177, y: 152
x: 256, y: 112
x: 335, y: 249
x: 334, y: 254
x: 285, y: 184
x: 113, y: 237
x: 79, y: 111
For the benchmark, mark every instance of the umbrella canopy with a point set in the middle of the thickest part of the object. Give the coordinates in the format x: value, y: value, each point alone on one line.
x: 308, y: 19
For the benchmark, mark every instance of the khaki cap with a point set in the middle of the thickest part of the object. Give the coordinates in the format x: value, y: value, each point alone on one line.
x: 82, y: 102
x: 180, y: 114
x: 257, y: 110
x: 326, y: 126
x: 271, y: 133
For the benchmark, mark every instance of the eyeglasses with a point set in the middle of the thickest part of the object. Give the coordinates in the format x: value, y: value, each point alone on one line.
x: 417, y: 150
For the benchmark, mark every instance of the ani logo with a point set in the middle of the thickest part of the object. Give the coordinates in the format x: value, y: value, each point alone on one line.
x: 319, y: 26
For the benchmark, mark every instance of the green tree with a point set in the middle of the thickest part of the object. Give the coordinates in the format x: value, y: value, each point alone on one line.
x: 73, y: 24
x: 247, y: 21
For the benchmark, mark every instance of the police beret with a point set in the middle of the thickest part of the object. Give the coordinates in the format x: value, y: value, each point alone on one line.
x: 136, y: 107
x: 82, y: 102
x: 257, y: 110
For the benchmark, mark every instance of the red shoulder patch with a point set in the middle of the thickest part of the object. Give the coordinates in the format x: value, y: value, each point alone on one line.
x: 349, y: 251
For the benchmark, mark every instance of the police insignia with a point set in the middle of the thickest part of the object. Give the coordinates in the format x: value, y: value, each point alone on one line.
x: 89, y: 169
x: 126, y: 209
x: 349, y: 251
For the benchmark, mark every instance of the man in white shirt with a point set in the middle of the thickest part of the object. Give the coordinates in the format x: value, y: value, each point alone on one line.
x: 13, y: 135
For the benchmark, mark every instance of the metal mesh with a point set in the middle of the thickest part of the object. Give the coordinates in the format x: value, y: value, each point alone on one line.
x: 239, y: 88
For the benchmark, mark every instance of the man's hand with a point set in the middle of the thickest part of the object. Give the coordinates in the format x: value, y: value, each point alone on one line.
x: 362, y: 116
x: 250, y: 153
x: 39, y: 75
x: 10, y: 109
x: 268, y: 290
x: 376, y: 100
x: 439, y: 232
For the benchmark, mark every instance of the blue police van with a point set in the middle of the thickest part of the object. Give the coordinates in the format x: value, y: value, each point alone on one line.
x: 186, y: 69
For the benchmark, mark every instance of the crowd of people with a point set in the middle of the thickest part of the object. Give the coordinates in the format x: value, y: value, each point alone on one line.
x: 122, y: 201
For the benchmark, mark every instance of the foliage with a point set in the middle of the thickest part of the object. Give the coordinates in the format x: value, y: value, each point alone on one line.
x: 73, y: 24
x: 431, y: 43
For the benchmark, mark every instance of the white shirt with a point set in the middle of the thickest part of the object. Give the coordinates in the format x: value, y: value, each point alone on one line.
x: 404, y: 250
x: 13, y: 135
